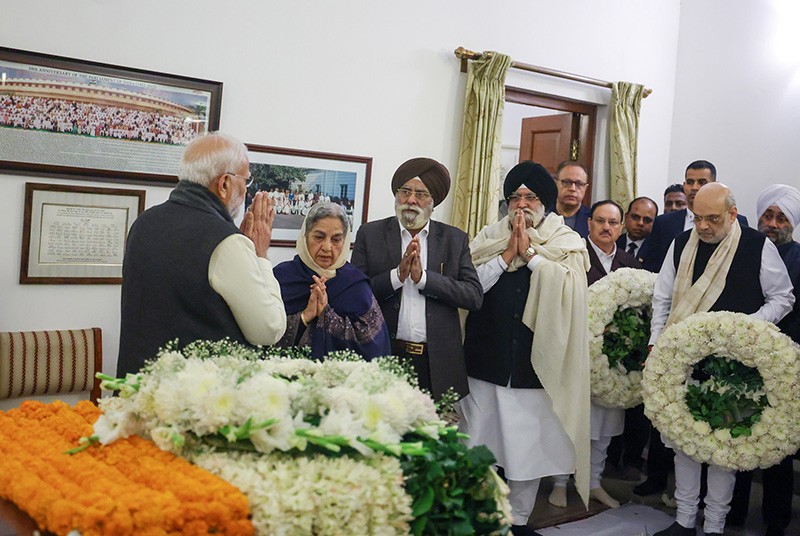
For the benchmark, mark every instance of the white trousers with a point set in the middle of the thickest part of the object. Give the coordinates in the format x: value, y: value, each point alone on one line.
x: 597, y: 460
x: 687, y: 493
x: 522, y: 499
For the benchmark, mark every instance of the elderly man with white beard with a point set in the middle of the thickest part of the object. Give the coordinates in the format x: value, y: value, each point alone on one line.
x: 527, y: 348
x: 421, y: 274
x: 189, y: 273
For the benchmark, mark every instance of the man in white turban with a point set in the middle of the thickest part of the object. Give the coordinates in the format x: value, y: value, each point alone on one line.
x: 778, y: 209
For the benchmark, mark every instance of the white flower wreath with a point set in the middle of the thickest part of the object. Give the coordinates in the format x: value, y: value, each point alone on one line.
x: 752, y: 342
x: 627, y: 287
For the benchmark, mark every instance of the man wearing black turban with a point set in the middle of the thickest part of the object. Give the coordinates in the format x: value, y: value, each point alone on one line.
x: 421, y: 274
x: 527, y: 348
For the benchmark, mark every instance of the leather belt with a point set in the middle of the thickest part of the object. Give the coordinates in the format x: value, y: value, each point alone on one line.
x: 413, y: 348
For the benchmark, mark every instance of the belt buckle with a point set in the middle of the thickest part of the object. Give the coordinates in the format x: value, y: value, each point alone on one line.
x: 415, y: 348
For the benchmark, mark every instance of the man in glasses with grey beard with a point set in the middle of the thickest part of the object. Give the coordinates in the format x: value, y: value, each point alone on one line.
x: 527, y: 348
x: 421, y: 274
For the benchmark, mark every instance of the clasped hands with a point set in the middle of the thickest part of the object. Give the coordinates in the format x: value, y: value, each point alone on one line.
x: 519, y: 241
x: 317, y: 301
x: 257, y: 222
x: 411, y: 264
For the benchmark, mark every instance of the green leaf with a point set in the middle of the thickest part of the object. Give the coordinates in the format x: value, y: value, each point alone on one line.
x: 423, y: 503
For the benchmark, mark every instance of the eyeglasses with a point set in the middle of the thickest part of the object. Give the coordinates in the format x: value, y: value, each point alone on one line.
x: 530, y: 198
x: 248, y: 181
x: 566, y: 183
x: 603, y: 221
x: 405, y: 193
x: 711, y: 220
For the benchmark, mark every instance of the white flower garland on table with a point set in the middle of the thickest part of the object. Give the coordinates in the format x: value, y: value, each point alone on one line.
x: 179, y: 399
x: 754, y: 343
x: 317, y: 495
x: 621, y: 289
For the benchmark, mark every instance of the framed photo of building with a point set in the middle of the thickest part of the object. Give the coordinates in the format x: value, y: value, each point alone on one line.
x: 76, y: 118
x: 296, y: 179
x: 76, y: 234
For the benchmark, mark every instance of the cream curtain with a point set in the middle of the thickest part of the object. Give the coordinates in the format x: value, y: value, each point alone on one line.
x: 626, y: 101
x: 477, y: 180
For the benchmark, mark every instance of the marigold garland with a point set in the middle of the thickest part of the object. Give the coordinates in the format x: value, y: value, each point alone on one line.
x: 130, y: 487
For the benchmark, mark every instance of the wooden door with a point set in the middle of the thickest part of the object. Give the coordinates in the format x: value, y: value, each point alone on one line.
x: 547, y: 139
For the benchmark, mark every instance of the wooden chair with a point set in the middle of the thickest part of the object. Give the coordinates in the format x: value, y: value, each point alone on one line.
x: 34, y: 363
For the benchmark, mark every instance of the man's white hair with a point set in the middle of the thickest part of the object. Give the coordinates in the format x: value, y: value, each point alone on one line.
x: 210, y: 156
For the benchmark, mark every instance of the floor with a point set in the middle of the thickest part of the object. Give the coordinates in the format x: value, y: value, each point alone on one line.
x: 638, y: 516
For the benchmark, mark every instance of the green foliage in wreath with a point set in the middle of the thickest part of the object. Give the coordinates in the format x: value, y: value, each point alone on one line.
x: 626, y: 337
x: 726, y: 394
x: 453, y: 491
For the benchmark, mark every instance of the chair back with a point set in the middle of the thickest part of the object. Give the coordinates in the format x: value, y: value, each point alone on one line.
x: 50, y: 362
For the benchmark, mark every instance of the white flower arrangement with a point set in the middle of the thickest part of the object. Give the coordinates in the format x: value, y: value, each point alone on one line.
x: 615, y: 387
x: 341, y: 446
x: 317, y: 495
x: 276, y: 404
x: 752, y: 342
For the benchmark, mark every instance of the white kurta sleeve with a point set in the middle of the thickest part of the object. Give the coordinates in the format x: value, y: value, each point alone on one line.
x: 775, y: 284
x: 246, y: 283
x: 662, y: 295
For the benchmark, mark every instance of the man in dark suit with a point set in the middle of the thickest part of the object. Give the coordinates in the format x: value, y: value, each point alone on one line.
x: 421, y: 273
x: 642, y: 211
x: 605, y: 224
x: 572, y: 180
x: 669, y: 225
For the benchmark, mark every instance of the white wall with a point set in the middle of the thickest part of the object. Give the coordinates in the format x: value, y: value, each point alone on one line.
x: 351, y: 76
x: 737, y: 97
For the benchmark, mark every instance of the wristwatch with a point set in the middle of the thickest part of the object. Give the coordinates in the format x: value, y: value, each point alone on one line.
x: 529, y: 253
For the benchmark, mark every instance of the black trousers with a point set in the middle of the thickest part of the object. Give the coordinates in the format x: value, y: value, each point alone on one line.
x: 630, y: 445
x: 776, y: 506
x: 420, y: 361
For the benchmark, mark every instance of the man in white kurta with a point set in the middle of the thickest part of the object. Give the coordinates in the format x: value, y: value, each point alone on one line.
x: 716, y: 266
x: 527, y: 348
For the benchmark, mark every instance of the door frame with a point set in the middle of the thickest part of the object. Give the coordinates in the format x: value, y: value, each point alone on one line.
x: 587, y: 110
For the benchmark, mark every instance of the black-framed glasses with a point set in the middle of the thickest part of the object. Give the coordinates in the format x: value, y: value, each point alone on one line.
x: 530, y: 198
x: 603, y: 221
x: 566, y: 183
x: 406, y: 192
x: 248, y: 181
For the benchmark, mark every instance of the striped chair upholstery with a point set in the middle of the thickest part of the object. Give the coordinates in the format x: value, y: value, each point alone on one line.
x: 50, y: 362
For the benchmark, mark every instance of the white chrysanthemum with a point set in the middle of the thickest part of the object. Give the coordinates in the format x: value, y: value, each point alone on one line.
x: 754, y: 343
x: 621, y: 289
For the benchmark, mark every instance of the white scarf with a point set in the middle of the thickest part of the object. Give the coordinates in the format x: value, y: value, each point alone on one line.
x: 556, y: 311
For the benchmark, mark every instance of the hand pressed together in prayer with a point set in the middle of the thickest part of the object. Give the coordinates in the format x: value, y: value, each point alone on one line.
x: 519, y: 241
x: 411, y: 264
x: 317, y: 301
x: 257, y: 222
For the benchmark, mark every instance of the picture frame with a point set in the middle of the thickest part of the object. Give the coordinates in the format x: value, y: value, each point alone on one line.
x: 74, y: 118
x: 76, y: 234
x: 292, y: 175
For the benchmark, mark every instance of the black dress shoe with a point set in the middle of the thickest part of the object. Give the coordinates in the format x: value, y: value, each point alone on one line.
x: 650, y: 486
x: 523, y: 530
x: 676, y: 529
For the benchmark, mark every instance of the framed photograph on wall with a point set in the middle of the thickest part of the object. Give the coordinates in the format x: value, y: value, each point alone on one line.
x: 69, y: 117
x: 76, y: 234
x: 296, y: 179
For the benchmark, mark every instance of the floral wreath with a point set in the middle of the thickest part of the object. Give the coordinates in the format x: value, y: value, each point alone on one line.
x: 615, y: 387
x: 752, y: 342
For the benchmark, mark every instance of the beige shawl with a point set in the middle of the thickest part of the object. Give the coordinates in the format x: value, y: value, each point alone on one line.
x: 687, y: 298
x: 556, y: 311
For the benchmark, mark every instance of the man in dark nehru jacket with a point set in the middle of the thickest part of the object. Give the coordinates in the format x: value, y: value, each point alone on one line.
x: 778, y: 207
x: 527, y: 348
x: 189, y: 273
x: 717, y: 266
x: 421, y: 273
